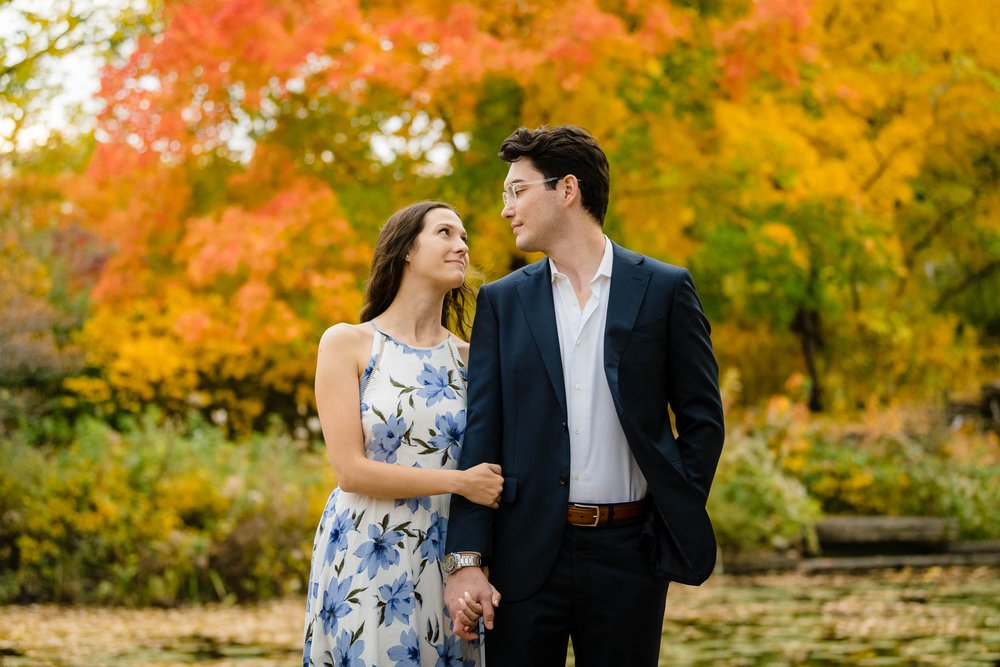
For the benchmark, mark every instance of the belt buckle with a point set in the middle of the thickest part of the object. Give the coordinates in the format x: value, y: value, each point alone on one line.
x: 597, y: 515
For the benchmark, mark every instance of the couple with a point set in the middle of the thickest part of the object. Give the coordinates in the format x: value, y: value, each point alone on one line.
x: 570, y: 491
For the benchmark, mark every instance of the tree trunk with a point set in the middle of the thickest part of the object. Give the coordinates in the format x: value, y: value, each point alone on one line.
x: 806, y: 325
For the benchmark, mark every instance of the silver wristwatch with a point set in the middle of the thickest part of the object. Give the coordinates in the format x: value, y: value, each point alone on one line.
x: 456, y: 561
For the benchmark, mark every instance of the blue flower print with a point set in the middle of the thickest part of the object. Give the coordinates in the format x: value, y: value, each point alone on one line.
x: 306, y: 650
x: 335, y: 604
x: 346, y: 654
x: 449, y: 652
x: 312, y: 594
x: 421, y: 353
x: 435, y: 384
x: 451, y: 431
x: 407, y: 654
x: 415, y: 503
x: 366, y: 374
x: 386, y: 439
x: 331, y: 503
x: 380, y: 552
x: 398, y: 599
x: 432, y: 548
x: 337, y: 540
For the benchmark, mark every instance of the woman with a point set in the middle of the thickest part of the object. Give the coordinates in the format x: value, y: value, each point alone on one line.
x: 375, y: 593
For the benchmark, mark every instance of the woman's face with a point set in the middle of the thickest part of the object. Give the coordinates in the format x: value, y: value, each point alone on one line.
x: 440, y: 252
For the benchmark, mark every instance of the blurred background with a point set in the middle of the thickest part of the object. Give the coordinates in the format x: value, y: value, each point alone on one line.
x: 190, y: 193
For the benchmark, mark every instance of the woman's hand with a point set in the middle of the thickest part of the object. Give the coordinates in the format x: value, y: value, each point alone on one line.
x: 469, y: 610
x: 483, y: 484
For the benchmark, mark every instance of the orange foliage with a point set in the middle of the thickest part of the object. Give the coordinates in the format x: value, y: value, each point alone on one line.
x: 248, y: 152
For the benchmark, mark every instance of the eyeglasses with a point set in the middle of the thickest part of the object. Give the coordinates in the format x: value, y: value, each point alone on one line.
x: 511, y: 192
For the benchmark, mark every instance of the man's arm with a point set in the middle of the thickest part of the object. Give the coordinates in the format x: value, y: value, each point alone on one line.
x: 693, y: 387
x: 470, y: 526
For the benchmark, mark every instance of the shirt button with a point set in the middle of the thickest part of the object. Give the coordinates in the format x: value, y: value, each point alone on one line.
x: 578, y: 431
x: 578, y: 387
x: 579, y: 343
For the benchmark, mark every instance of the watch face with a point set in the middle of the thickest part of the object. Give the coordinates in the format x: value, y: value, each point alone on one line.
x: 449, y: 563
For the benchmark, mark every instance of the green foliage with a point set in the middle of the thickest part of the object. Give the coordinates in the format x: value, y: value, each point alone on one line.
x: 157, y: 515
x: 757, y: 506
x: 901, y: 476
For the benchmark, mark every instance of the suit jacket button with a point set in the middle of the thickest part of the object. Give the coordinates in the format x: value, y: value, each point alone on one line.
x: 564, y: 480
x: 564, y: 427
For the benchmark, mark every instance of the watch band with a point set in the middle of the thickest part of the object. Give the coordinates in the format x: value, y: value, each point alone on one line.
x: 456, y: 561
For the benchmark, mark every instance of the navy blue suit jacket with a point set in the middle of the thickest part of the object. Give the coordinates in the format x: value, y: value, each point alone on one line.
x: 657, y: 352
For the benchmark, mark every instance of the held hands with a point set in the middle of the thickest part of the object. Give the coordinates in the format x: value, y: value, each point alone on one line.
x: 469, y: 611
x: 469, y: 595
x: 483, y: 484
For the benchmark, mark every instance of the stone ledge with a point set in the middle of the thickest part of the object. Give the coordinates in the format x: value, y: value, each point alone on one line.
x: 985, y: 553
x: 868, y: 530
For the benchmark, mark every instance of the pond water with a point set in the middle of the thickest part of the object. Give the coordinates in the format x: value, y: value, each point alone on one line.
x: 927, y: 617
x: 920, y: 617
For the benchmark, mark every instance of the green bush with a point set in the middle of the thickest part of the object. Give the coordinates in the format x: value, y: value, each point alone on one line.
x: 157, y: 515
x: 972, y: 495
x: 902, y: 476
x: 757, y: 506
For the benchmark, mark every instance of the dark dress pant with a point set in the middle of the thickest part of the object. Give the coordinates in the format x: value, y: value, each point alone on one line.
x: 601, y: 592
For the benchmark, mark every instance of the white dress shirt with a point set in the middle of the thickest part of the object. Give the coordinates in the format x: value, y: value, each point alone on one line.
x: 602, y: 468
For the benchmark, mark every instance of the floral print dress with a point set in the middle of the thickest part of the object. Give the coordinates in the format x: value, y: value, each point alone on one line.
x: 376, y: 588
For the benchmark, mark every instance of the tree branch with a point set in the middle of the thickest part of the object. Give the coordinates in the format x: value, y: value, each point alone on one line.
x: 969, y: 281
x: 50, y: 49
x: 938, y: 225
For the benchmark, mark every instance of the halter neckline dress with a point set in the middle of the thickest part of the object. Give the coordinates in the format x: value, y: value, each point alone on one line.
x: 376, y: 585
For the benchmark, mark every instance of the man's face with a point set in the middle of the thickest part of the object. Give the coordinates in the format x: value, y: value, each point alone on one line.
x: 530, y: 206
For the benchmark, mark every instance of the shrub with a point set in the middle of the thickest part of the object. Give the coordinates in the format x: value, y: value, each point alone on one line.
x: 157, y: 515
x: 900, y: 476
x: 755, y: 505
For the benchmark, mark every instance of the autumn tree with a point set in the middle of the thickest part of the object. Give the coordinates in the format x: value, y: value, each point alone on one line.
x: 851, y: 199
x: 47, y: 260
x: 825, y: 169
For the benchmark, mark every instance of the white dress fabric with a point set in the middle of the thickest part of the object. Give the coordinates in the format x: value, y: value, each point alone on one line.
x: 376, y: 586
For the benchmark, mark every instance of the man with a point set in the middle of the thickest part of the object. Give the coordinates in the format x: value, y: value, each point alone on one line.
x: 574, y: 362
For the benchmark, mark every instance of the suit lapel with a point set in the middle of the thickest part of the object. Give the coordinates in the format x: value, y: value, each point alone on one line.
x: 535, y: 291
x: 629, y: 280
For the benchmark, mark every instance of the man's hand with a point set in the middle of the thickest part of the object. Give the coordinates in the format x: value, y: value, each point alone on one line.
x: 469, y: 589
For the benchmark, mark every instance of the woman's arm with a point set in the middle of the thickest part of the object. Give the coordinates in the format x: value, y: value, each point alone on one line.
x: 338, y: 399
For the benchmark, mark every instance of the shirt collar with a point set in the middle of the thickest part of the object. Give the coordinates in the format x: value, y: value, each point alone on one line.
x: 603, y: 269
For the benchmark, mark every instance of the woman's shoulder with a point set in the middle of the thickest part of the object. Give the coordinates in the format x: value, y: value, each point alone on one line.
x: 347, y: 338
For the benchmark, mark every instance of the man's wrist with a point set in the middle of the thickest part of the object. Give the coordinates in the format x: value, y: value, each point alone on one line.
x: 455, y: 561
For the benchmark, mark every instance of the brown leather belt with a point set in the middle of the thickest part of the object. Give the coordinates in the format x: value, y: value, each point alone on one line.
x: 599, y: 515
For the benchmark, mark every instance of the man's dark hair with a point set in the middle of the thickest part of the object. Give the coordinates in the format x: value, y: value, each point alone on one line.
x: 561, y: 150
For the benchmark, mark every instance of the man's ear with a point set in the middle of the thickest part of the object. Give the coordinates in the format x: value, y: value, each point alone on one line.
x: 570, y: 188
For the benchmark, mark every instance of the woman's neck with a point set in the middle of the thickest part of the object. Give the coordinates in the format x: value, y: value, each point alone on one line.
x: 414, y: 317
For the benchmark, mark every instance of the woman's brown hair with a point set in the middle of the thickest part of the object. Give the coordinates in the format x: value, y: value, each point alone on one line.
x: 395, y: 240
